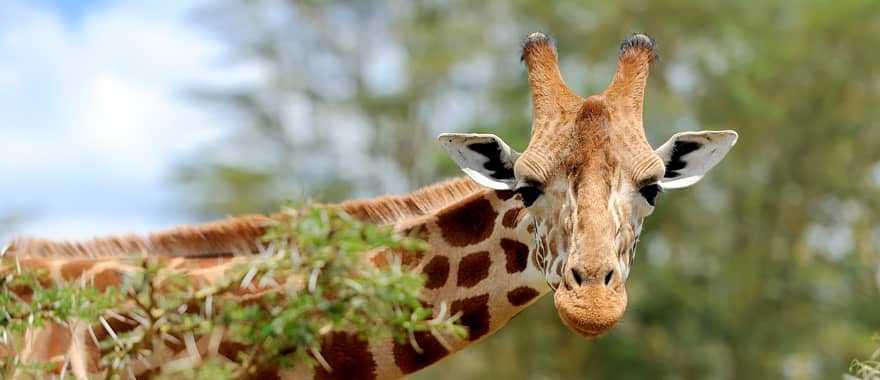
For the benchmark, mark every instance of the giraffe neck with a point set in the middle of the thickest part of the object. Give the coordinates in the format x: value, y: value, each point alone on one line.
x: 478, y: 266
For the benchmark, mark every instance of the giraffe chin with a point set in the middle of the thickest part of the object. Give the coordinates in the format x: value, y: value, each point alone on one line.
x: 590, y: 311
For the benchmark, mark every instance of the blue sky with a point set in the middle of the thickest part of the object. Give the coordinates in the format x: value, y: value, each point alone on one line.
x: 92, y: 116
x: 71, y: 10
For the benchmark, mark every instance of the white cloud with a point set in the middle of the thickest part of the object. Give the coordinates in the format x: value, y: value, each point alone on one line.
x: 99, y: 104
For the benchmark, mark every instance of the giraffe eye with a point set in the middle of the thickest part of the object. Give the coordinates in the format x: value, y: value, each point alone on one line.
x: 650, y: 192
x: 530, y: 192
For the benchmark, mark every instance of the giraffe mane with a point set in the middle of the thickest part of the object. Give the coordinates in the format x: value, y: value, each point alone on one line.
x: 221, y: 238
x: 396, y: 208
x: 239, y: 235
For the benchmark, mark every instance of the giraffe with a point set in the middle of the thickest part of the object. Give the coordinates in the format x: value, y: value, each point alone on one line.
x: 562, y: 217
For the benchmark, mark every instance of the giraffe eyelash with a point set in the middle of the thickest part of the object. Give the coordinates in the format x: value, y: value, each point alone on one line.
x: 529, y: 194
x: 650, y: 192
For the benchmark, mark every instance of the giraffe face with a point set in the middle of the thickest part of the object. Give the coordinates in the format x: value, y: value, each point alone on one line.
x: 588, y: 179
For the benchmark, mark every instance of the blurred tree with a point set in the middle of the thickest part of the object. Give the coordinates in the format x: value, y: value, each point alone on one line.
x: 8, y: 223
x: 764, y: 270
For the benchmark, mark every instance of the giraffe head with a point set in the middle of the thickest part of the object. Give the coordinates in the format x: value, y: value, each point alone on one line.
x: 588, y: 177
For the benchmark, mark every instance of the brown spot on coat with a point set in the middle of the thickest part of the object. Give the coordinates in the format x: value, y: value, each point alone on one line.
x: 473, y: 268
x: 74, y: 269
x: 467, y: 223
x: 265, y: 373
x: 517, y: 255
x: 386, y: 256
x: 230, y: 349
x: 380, y: 260
x: 194, y: 306
x: 151, y: 373
x: 437, y: 272
x: 409, y: 361
x: 58, y: 341
x: 348, y: 355
x: 475, y: 315
x: 521, y: 295
x: 107, y: 278
x: 511, y: 217
x: 26, y: 293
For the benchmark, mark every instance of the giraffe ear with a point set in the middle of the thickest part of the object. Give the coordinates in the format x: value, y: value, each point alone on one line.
x: 689, y: 156
x: 483, y: 157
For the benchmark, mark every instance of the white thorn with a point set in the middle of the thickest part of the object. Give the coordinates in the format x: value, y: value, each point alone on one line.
x: 94, y: 337
x: 313, y: 279
x: 144, y: 361
x: 261, y: 249
x: 209, y: 306
x: 64, y: 369
x: 269, y: 281
x: 456, y: 316
x: 440, y: 315
x: 266, y: 279
x: 414, y: 344
x: 215, y: 340
x: 442, y: 340
x: 140, y: 319
x: 320, y: 359
x: 108, y: 328
x: 246, y: 281
x: 295, y: 257
x: 170, y: 338
x: 117, y: 316
x: 191, y: 347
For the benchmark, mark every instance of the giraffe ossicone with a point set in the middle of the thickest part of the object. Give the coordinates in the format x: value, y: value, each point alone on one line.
x: 562, y: 216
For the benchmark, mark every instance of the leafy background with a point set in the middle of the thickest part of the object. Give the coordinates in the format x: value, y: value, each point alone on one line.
x: 766, y: 269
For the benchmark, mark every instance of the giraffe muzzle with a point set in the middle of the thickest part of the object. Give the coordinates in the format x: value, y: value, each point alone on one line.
x: 591, y: 305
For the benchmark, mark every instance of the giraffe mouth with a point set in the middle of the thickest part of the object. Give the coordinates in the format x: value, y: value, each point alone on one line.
x: 590, y: 311
x: 583, y: 331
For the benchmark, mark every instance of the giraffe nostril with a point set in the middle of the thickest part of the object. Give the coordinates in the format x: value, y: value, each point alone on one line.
x: 578, y: 277
x: 608, y: 277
